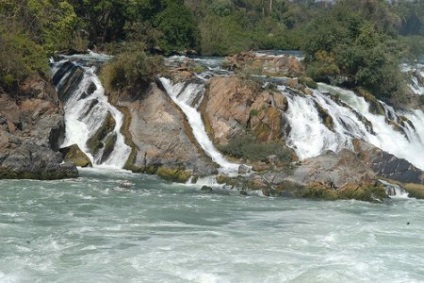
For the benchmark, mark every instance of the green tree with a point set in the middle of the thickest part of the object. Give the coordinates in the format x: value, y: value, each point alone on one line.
x: 20, y: 57
x: 351, y: 44
x: 178, y: 27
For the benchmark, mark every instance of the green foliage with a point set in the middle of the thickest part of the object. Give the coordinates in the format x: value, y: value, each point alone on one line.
x: 20, y: 57
x: 178, y: 27
x: 249, y: 148
x: 131, y: 70
x: 173, y: 175
x: 361, y: 49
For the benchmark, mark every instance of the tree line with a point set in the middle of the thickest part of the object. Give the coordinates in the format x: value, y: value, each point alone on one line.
x: 357, y: 43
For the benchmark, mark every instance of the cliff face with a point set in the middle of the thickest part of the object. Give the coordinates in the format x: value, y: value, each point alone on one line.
x: 162, y: 139
x: 246, y: 118
x: 31, y: 131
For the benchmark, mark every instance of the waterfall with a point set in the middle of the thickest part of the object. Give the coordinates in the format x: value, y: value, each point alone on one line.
x: 394, y: 191
x: 188, y: 97
x: 416, y: 77
x: 332, y: 117
x: 91, y: 121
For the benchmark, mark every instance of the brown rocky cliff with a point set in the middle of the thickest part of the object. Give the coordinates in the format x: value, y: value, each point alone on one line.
x: 31, y: 130
x: 161, y: 135
x: 233, y: 105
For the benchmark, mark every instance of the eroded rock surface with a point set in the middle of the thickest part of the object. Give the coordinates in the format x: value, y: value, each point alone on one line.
x: 31, y: 130
x: 161, y: 135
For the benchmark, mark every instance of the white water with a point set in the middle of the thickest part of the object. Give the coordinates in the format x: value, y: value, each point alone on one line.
x: 416, y: 75
x: 82, y: 122
x: 183, y: 96
x: 309, y: 136
x: 91, y: 229
x: 395, y: 191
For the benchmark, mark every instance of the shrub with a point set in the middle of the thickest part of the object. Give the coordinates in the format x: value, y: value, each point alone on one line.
x: 19, y: 58
x: 248, y: 147
x: 131, y: 70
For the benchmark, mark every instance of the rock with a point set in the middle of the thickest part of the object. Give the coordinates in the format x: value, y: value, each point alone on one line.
x: 333, y: 170
x: 35, y: 129
x: 288, y: 66
x: 243, y: 169
x: 387, y: 165
x: 75, y: 155
x: 206, y: 189
x: 232, y: 105
x: 31, y: 161
x: 162, y: 137
x: 70, y: 82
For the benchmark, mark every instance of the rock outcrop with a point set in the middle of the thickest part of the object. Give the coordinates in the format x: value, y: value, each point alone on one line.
x: 387, y: 165
x: 287, y: 66
x: 161, y: 137
x: 31, y: 130
x: 75, y: 155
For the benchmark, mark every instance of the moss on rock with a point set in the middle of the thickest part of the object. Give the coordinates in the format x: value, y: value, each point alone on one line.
x: 415, y: 190
x: 309, y: 82
x: 75, y: 155
x: 95, y: 143
x: 375, y: 106
x: 174, y: 175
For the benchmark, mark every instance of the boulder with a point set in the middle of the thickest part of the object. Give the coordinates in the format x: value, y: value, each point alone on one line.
x: 31, y: 132
x: 333, y: 170
x: 284, y: 65
x: 31, y: 161
x: 233, y: 105
x: 162, y: 137
x: 75, y: 155
x: 387, y: 165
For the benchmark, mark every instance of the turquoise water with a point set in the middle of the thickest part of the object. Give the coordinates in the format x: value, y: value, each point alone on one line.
x: 93, y: 229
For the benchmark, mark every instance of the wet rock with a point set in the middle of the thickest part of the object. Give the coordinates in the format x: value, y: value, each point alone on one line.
x: 75, y: 155
x: 387, y: 165
x: 162, y: 137
x: 206, y: 189
x: 333, y: 169
x: 31, y: 161
x: 243, y: 169
x: 34, y: 130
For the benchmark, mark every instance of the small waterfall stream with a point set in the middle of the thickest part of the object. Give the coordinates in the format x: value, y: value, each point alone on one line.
x: 394, y: 191
x: 91, y: 121
x: 399, y: 133
x: 188, y: 97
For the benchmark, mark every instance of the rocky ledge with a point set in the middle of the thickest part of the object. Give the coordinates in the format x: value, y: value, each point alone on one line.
x: 243, y: 117
x: 31, y: 129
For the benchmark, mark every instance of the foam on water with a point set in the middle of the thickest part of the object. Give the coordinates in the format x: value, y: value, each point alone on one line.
x: 177, y: 234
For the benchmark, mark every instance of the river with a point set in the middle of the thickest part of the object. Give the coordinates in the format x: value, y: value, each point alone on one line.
x: 115, y: 226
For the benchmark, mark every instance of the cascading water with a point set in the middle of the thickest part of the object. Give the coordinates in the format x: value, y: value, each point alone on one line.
x: 394, y: 191
x: 188, y: 97
x: 330, y: 118
x: 91, y: 121
x: 416, y: 75
x: 313, y: 131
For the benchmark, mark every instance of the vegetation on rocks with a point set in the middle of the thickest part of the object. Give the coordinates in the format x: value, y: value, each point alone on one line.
x: 74, y: 154
x: 131, y: 70
x: 248, y: 148
x: 368, y: 37
x: 415, y: 190
x: 358, y: 44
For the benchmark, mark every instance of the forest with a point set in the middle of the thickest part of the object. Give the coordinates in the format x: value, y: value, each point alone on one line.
x: 361, y: 41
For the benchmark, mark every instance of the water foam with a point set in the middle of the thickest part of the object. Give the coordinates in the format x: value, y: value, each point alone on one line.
x: 184, y: 96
